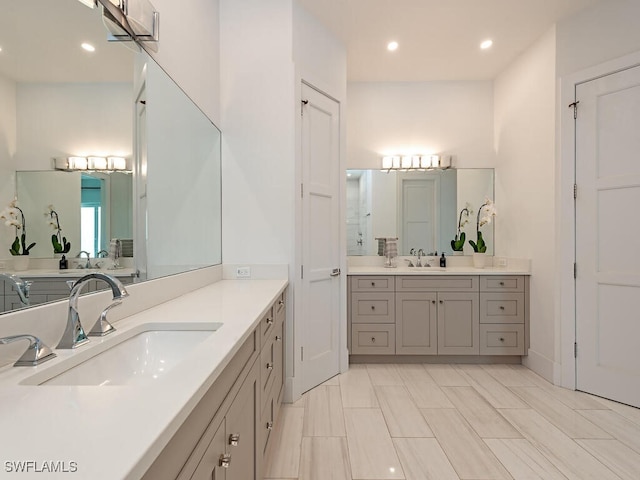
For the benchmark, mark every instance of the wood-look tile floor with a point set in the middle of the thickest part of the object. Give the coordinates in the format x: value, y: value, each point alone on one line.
x: 452, y: 422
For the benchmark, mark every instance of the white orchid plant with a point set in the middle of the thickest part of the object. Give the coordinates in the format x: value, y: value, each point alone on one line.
x: 457, y: 244
x: 60, y: 244
x: 485, y: 214
x: 13, y: 216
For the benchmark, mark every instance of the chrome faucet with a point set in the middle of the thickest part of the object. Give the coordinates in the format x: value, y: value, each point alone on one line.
x: 37, y: 352
x: 74, y: 334
x: 102, y: 254
x: 22, y: 287
x: 88, y: 264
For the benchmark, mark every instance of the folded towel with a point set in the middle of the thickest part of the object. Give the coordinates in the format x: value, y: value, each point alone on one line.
x: 115, y: 249
x: 381, y: 243
x: 391, y: 248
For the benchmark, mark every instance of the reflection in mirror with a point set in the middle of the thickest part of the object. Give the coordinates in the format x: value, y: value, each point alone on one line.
x: 421, y: 209
x: 58, y: 100
x: 92, y: 208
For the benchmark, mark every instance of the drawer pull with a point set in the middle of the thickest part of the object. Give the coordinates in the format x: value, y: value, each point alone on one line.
x: 280, y: 302
x: 373, y: 307
x: 441, y: 302
x: 501, y: 307
x: 373, y: 339
x: 502, y: 284
x: 278, y: 338
x: 269, y: 425
x: 269, y: 321
x: 269, y: 366
x: 433, y: 301
x: 225, y: 460
x: 234, y: 439
x: 373, y: 284
x: 501, y: 339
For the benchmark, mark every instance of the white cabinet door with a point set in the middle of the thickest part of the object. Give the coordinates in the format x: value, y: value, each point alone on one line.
x: 607, y: 233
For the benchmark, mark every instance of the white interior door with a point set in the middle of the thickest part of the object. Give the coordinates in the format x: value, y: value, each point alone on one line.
x: 417, y: 215
x: 607, y: 236
x: 320, y: 322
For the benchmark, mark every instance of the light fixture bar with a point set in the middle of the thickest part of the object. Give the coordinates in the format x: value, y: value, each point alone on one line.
x: 93, y: 163
x: 414, y: 162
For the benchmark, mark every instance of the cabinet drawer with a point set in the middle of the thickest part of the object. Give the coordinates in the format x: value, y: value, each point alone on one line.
x: 499, y: 339
x: 437, y: 283
x: 373, y: 339
x: 372, y: 283
x: 266, y: 425
x: 502, y: 308
x: 266, y: 325
x: 267, y: 368
x: 279, y: 308
x: 502, y: 283
x: 372, y: 308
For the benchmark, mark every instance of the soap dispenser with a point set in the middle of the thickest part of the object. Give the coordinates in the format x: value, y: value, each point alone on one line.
x: 64, y: 264
x: 443, y: 261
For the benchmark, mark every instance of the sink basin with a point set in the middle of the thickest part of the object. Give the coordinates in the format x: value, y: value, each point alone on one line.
x: 138, y: 357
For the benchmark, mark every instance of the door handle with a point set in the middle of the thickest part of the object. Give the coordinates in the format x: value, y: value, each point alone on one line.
x: 335, y: 272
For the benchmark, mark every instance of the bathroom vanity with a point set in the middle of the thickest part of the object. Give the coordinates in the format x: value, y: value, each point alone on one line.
x: 458, y: 313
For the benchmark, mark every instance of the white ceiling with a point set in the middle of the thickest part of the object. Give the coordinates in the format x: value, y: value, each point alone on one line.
x: 40, y: 41
x: 439, y: 39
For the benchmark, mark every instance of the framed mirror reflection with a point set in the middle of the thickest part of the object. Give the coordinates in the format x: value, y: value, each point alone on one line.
x: 420, y: 208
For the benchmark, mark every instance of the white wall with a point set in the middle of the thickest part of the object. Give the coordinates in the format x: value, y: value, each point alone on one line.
x: 603, y: 32
x: 61, y: 119
x: 422, y: 117
x: 7, y: 149
x: 525, y: 184
x: 189, y: 50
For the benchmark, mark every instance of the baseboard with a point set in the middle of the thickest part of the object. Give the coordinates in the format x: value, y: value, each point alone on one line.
x: 461, y: 359
x: 543, y: 366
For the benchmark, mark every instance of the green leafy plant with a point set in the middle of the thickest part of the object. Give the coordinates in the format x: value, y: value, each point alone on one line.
x: 59, y: 242
x: 488, y: 211
x: 14, y: 217
x: 457, y: 244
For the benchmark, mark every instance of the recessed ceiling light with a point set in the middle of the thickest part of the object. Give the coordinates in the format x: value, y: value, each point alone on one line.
x: 88, y: 47
x: 486, y: 44
x: 392, y: 46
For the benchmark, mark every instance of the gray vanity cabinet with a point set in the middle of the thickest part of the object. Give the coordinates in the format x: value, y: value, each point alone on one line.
x: 458, y: 327
x: 416, y: 323
x: 223, y: 437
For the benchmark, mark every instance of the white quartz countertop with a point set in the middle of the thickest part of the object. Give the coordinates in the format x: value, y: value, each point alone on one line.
x: 71, y: 272
x: 115, y: 432
x: 460, y: 270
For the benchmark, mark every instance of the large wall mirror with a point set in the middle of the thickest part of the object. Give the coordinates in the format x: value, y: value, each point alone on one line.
x: 420, y: 208
x: 65, y: 90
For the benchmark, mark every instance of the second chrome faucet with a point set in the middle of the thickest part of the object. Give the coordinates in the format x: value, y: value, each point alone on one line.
x: 74, y: 335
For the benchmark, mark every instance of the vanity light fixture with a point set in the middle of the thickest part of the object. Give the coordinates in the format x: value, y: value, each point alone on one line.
x: 407, y: 163
x: 99, y: 164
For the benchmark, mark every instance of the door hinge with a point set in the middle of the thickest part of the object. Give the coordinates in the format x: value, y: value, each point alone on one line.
x: 575, y: 350
x: 302, y: 190
x: 303, y: 103
x: 575, y: 108
x: 301, y: 271
x: 301, y: 354
x: 575, y: 270
x: 575, y: 191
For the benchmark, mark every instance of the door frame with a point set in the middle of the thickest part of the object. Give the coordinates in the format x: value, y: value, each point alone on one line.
x: 293, y: 384
x: 565, y: 374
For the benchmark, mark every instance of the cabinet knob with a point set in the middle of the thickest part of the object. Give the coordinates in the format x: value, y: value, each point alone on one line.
x: 280, y: 302
x: 373, y: 307
x: 433, y: 301
x: 278, y: 338
x: 373, y: 339
x: 269, y: 425
x: 502, y: 284
x: 234, y: 439
x: 225, y: 460
x: 501, y: 307
x: 441, y: 302
x: 269, y: 321
x: 501, y: 339
x: 269, y: 366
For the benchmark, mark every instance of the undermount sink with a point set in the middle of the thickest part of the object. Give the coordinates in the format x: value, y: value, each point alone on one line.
x: 138, y: 357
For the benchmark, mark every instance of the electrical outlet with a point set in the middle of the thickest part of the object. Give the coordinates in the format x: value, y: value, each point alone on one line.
x: 502, y: 262
x: 243, y: 272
